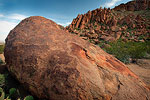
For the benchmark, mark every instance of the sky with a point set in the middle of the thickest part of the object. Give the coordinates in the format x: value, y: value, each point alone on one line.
x: 60, y: 11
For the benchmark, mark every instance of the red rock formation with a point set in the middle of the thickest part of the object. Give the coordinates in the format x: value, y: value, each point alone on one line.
x: 98, y: 15
x: 134, y: 5
x: 56, y: 65
x: 130, y: 6
x: 141, y: 4
x: 107, y: 21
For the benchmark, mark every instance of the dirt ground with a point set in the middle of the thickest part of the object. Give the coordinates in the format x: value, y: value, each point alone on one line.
x: 142, y: 69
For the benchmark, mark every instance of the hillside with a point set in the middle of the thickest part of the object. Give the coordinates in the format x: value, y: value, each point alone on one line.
x: 120, y: 30
x: 110, y: 25
x: 134, y: 5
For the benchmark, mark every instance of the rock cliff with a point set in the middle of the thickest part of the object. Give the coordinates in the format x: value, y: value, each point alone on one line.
x: 122, y: 22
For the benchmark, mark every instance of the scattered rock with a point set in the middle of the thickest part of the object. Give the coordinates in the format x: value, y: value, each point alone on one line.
x: 109, y: 21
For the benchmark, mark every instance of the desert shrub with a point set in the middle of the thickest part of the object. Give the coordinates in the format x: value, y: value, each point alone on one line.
x: 1, y: 61
x: 12, y: 91
x: 28, y: 98
x: 119, y: 50
x: 126, y: 50
x: 2, y: 94
x: 1, y: 49
x: 2, y: 80
x: 137, y: 50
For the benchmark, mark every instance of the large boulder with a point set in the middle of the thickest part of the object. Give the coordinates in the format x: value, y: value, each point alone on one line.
x: 56, y: 65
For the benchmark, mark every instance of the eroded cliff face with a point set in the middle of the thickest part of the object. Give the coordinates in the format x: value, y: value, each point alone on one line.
x: 122, y: 22
x: 98, y: 15
x: 135, y: 5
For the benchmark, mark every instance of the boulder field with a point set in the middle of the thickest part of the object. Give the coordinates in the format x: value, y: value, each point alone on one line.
x: 126, y: 22
x: 56, y: 65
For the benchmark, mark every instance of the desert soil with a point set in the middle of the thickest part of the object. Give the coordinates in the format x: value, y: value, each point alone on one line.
x: 142, y: 69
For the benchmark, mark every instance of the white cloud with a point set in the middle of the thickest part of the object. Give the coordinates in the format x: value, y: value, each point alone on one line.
x: 52, y: 19
x: 17, y: 16
x: 64, y: 24
x: 60, y: 23
x: 2, y: 37
x: 1, y: 15
x: 5, y: 27
x: 8, y: 22
x: 14, y: 16
x: 111, y: 3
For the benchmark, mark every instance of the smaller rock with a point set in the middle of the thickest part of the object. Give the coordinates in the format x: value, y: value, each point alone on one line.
x: 103, y: 27
x: 117, y: 35
x: 124, y: 28
x: 2, y: 57
x: 115, y: 28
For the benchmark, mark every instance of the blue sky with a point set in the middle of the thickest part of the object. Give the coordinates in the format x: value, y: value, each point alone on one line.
x: 60, y: 11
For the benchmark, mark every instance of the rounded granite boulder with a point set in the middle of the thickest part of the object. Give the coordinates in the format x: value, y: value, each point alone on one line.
x: 56, y: 65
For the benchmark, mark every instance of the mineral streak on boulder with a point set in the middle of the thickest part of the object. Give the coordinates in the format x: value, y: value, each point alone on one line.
x: 56, y: 65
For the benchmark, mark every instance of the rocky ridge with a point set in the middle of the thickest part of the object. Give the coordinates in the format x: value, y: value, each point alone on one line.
x: 111, y: 25
x: 134, y: 5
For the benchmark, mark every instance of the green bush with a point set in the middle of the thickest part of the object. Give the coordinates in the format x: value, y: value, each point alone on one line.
x: 1, y: 61
x: 126, y: 50
x: 2, y: 80
x: 137, y: 50
x: 1, y: 49
x: 12, y: 91
x: 2, y: 94
x: 28, y: 98
x: 119, y: 50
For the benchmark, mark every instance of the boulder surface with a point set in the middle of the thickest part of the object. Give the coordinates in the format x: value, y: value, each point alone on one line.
x: 56, y: 65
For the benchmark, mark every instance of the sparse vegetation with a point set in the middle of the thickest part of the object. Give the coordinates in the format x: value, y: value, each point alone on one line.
x: 28, y: 98
x: 1, y: 49
x: 10, y: 88
x: 1, y: 61
x: 11, y: 95
x: 2, y: 80
x: 126, y: 50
